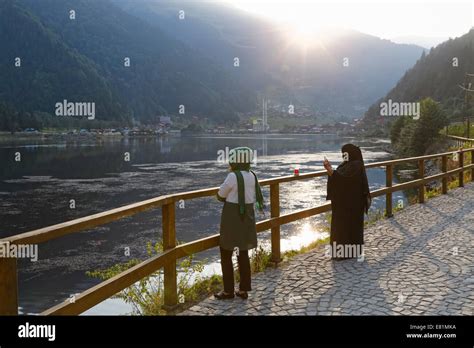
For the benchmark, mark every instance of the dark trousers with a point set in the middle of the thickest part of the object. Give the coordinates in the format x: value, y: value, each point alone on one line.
x: 228, y: 270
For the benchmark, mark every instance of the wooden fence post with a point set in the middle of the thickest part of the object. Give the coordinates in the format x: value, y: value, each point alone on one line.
x: 472, y: 162
x: 444, y: 168
x: 388, y: 196
x: 461, y: 165
x: 468, y: 127
x: 8, y: 285
x: 169, y: 269
x: 275, y: 212
x: 421, y: 173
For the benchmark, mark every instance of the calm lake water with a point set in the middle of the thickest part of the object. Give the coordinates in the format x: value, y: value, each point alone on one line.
x: 36, y: 192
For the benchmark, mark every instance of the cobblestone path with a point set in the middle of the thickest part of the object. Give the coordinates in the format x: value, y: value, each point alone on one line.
x: 417, y: 263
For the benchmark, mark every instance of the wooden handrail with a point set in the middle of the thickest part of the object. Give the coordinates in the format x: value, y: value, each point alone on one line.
x: 173, y: 252
x: 455, y: 137
x: 460, y: 140
x: 54, y: 231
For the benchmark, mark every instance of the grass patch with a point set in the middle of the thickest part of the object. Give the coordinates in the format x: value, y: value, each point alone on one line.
x: 287, y: 255
x: 147, y: 295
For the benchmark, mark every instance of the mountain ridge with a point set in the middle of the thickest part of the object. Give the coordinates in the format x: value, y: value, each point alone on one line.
x: 436, y: 75
x: 191, y: 67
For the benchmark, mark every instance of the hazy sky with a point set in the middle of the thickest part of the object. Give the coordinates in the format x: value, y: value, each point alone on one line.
x: 383, y: 18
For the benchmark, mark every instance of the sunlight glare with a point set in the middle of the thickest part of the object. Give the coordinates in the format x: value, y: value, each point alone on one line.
x: 427, y: 18
x: 307, y: 234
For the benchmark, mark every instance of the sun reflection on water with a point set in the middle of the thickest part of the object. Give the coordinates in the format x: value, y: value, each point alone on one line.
x: 305, y: 235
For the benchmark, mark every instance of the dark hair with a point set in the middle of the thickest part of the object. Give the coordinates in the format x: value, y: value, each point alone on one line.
x: 240, y: 166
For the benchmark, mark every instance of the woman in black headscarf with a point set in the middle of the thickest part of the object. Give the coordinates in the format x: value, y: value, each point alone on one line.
x: 348, y: 190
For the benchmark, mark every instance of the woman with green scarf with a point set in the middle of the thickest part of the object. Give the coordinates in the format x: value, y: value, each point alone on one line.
x: 239, y: 192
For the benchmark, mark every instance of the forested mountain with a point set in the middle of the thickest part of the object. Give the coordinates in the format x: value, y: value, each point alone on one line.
x: 83, y: 59
x: 175, y: 62
x: 436, y: 75
x: 274, y: 61
x: 37, y: 69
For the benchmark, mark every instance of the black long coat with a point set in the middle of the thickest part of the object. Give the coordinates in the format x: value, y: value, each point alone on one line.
x: 348, y: 190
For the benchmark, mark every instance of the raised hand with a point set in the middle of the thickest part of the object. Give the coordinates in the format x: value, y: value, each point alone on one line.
x: 327, y: 166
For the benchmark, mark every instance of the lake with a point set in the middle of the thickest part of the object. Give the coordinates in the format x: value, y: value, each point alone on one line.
x: 60, y: 180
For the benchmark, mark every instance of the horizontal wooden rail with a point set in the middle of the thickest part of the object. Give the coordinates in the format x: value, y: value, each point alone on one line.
x: 91, y: 221
x: 54, y: 231
x: 460, y: 141
x: 413, y: 159
x: 454, y: 137
x: 110, y: 287
x: 172, y: 252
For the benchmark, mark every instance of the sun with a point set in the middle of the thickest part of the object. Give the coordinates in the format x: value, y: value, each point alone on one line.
x: 305, y: 29
x: 306, y: 36
x: 305, y: 33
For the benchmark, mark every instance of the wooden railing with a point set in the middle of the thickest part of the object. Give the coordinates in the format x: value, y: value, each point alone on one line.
x: 460, y: 141
x: 172, y: 252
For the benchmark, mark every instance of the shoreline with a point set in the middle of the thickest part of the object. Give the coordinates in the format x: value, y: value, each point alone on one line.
x: 7, y: 136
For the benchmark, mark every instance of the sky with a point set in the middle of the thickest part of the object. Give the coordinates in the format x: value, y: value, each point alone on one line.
x: 403, y: 20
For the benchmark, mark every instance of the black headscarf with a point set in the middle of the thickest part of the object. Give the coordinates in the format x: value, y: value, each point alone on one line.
x: 348, y: 168
x: 353, y: 151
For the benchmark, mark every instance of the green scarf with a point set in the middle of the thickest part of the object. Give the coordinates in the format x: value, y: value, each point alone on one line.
x: 241, y: 192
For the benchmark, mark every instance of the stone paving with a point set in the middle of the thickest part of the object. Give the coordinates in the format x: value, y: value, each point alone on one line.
x: 417, y: 263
